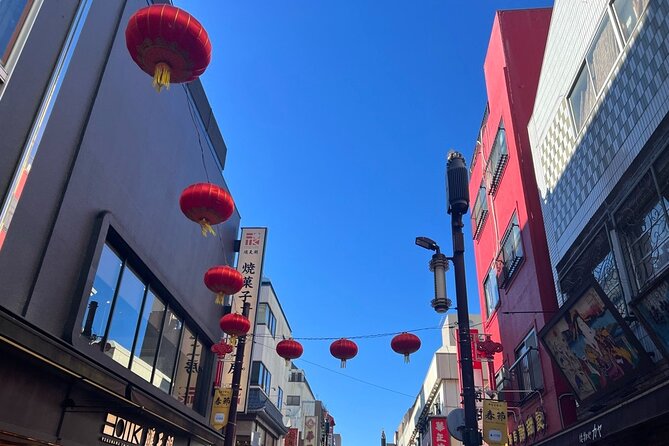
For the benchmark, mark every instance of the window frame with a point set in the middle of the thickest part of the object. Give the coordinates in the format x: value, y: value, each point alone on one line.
x: 292, y: 398
x: 107, y: 232
x: 492, y: 273
x: 264, y: 379
x: 535, y: 369
x: 517, y: 261
x: 493, y: 174
x: 480, y: 207
x: 20, y: 36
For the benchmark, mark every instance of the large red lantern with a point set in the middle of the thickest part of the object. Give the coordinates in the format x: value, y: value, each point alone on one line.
x: 405, y: 344
x: 234, y: 325
x: 223, y: 281
x: 168, y: 44
x: 343, y: 349
x: 289, y: 349
x: 206, y: 204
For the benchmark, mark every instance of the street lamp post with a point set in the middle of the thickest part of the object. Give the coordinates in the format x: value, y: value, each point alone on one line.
x: 457, y: 179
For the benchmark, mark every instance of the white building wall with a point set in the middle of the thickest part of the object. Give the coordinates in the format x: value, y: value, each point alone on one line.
x: 577, y: 170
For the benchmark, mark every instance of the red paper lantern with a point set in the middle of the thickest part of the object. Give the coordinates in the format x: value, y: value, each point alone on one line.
x: 206, y: 204
x: 405, y: 344
x: 221, y: 349
x: 235, y: 325
x: 343, y: 349
x: 289, y: 349
x: 223, y: 281
x: 168, y: 43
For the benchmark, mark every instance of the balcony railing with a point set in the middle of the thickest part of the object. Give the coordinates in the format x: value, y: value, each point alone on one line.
x: 499, y: 155
x: 522, y: 379
x: 510, y: 256
x: 480, y: 211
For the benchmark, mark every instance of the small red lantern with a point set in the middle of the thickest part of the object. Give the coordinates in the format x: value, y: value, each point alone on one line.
x: 487, y: 348
x: 221, y: 349
x: 168, y: 43
x: 343, y: 349
x: 405, y: 344
x: 223, y: 281
x: 289, y: 349
x: 234, y: 325
x: 206, y: 204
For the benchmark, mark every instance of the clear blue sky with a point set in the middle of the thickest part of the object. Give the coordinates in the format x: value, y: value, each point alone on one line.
x: 338, y: 116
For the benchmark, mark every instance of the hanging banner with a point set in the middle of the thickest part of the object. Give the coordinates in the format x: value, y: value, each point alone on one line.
x: 220, y: 408
x: 292, y: 437
x: 439, y: 431
x: 311, y: 431
x: 494, y: 422
x: 249, y: 264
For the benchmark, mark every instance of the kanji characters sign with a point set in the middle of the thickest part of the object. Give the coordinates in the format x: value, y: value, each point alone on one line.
x: 221, y: 407
x: 495, y: 431
x: 439, y: 430
x: 249, y: 264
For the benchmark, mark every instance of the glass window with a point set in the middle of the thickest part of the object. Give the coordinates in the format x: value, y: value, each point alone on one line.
x: 266, y: 317
x: 261, y: 377
x: 125, y: 316
x: 194, y: 367
x: 628, y: 13
x: 184, y: 366
x: 511, y: 252
x: 146, y: 346
x: 167, y: 352
x: 279, y: 399
x: 528, y: 367
x: 644, y: 227
x: 491, y: 291
x: 480, y: 210
x: 293, y: 400
x: 582, y: 97
x: 13, y: 15
x: 102, y: 295
x: 603, y: 53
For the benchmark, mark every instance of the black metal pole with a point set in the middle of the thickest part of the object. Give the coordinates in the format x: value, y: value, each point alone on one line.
x: 458, y: 197
x: 231, y: 427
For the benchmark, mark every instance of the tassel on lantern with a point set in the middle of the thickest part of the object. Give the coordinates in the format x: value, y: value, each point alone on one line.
x: 406, y: 358
x: 343, y: 364
x: 220, y: 298
x: 161, y: 76
x: 206, y: 228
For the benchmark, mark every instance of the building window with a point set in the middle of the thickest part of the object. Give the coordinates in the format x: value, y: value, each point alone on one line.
x: 502, y: 382
x: 499, y: 155
x: 582, y: 97
x: 643, y: 225
x: 628, y: 13
x: 527, y: 368
x: 279, y: 398
x: 260, y: 376
x: 266, y: 317
x: 480, y: 211
x: 293, y: 400
x: 16, y: 16
x: 491, y: 291
x: 603, y: 53
x: 134, y: 326
x: 510, y: 254
x: 297, y: 377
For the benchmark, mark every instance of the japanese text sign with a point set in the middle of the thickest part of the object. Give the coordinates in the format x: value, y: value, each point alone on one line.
x: 495, y: 431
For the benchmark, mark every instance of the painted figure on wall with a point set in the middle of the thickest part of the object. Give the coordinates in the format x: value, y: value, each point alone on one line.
x: 590, y: 345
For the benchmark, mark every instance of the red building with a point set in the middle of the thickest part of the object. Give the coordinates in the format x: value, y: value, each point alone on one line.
x: 517, y: 292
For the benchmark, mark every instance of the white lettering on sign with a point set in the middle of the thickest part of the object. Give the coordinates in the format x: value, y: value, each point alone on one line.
x: 118, y: 431
x: 591, y: 434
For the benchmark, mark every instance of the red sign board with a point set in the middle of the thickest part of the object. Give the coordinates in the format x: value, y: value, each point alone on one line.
x: 439, y: 430
x: 291, y: 438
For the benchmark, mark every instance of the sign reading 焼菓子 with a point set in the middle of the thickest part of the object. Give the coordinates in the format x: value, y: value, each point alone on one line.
x: 495, y: 431
x: 249, y: 264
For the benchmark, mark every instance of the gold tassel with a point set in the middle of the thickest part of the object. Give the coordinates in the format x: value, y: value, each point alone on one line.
x: 206, y: 228
x: 406, y: 359
x: 161, y: 76
x: 220, y: 298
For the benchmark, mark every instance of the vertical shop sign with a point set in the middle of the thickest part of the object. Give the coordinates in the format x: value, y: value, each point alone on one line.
x: 495, y: 431
x: 439, y: 431
x: 311, y: 431
x: 221, y: 407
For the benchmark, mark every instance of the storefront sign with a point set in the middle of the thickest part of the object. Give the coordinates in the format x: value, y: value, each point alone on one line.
x: 118, y: 431
x: 291, y: 438
x: 515, y: 436
x: 540, y: 420
x: 221, y: 407
x: 439, y: 431
x: 494, y: 422
x: 249, y: 264
x: 311, y: 431
x: 589, y: 435
x: 522, y: 436
x: 530, y: 427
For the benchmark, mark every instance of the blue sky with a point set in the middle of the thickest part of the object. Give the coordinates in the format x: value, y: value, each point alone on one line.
x: 338, y: 116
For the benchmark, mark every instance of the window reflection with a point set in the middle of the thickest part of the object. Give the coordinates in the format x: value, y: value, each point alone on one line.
x: 13, y: 15
x: 102, y: 295
x: 628, y: 13
x: 125, y: 317
x: 167, y: 353
x: 184, y: 366
x: 148, y: 335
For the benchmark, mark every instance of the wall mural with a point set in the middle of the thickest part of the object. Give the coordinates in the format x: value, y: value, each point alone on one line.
x: 592, y: 346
